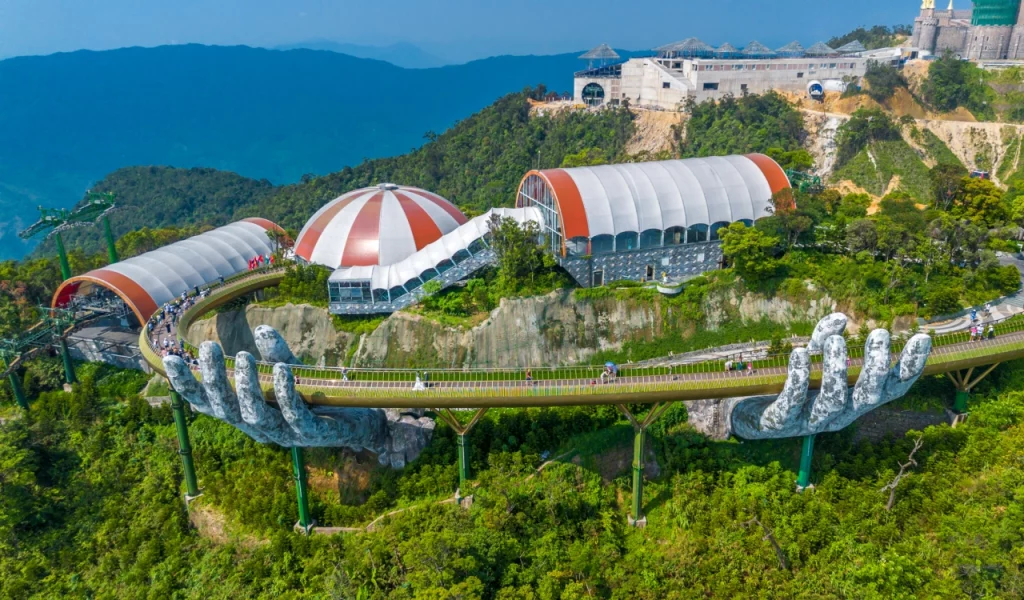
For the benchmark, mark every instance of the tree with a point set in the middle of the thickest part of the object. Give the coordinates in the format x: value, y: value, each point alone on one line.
x: 946, y: 181
x: 855, y: 206
x: 953, y: 83
x: 862, y: 236
x: 584, y: 158
x: 981, y: 202
x: 515, y: 247
x: 865, y: 126
x: 751, y: 251
x: 883, y: 79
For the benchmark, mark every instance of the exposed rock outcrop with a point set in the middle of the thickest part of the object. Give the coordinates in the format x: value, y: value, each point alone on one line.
x: 308, y: 330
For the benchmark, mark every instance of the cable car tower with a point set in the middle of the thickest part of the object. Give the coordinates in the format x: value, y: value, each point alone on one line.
x: 96, y: 208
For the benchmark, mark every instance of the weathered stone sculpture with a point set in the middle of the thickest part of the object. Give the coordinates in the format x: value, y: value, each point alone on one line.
x: 797, y: 412
x: 395, y: 436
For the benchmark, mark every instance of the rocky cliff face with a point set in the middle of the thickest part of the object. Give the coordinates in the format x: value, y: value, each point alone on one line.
x: 308, y: 330
x: 544, y: 330
x: 554, y: 329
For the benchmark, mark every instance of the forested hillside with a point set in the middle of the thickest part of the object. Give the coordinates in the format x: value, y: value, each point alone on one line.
x: 91, y: 508
x: 477, y: 164
x: 260, y: 113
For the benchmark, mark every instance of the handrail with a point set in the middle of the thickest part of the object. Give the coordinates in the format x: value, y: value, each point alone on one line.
x: 549, y: 386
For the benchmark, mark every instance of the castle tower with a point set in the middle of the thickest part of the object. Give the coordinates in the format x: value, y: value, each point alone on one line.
x: 926, y: 28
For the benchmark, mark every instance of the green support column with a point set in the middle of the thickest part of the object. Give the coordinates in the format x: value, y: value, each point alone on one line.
x: 299, y: 468
x: 69, y: 367
x: 111, y: 248
x: 960, y: 403
x: 19, y: 393
x: 463, y: 450
x: 804, y: 479
x: 65, y: 268
x: 184, y: 446
x: 638, y: 473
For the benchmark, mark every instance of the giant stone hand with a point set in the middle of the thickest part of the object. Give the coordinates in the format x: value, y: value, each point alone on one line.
x: 796, y: 411
x: 396, y: 437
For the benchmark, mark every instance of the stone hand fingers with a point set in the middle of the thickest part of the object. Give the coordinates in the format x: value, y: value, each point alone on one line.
x: 867, y: 392
x: 254, y: 408
x: 215, y: 380
x: 784, y: 412
x: 908, y: 369
x: 834, y: 324
x: 272, y: 346
x: 832, y: 400
x: 183, y: 382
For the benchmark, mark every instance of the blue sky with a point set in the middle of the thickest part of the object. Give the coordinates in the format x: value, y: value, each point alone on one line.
x: 453, y: 29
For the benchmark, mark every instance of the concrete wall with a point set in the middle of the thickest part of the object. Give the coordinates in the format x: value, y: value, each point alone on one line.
x: 644, y: 83
x: 612, y: 87
x: 667, y: 83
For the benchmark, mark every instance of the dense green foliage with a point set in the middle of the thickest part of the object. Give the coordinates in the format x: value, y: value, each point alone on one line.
x: 68, y: 119
x: 878, y: 36
x: 92, y: 508
x: 871, y: 151
x: 751, y: 123
x: 883, y: 79
x: 477, y: 164
x: 953, y: 83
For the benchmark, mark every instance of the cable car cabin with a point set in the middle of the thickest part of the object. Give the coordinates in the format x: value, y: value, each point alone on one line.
x: 976, y: 174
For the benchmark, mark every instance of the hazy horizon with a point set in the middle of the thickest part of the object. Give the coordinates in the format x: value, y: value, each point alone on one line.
x: 453, y: 31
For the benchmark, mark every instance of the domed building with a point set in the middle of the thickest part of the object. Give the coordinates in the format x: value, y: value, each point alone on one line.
x: 376, y: 226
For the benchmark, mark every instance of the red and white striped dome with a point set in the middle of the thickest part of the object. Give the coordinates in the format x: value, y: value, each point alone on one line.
x: 376, y: 226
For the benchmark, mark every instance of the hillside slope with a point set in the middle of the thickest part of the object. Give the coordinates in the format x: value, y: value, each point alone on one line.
x: 68, y: 119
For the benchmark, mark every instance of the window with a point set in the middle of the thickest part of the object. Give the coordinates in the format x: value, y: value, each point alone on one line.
x: 832, y: 66
x: 650, y: 272
x: 743, y: 87
x: 665, y: 85
x: 799, y: 75
x: 598, y: 278
x: 710, y: 86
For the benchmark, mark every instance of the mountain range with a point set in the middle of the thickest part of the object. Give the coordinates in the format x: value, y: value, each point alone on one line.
x: 68, y: 119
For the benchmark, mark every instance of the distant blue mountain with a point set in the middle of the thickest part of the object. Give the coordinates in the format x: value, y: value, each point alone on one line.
x: 407, y: 56
x: 68, y: 119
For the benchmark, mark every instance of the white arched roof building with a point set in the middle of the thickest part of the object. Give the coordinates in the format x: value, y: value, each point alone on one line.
x: 611, y: 208
x: 147, y: 281
x: 630, y: 206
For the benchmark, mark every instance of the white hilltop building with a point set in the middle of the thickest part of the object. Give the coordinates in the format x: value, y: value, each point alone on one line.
x: 694, y: 70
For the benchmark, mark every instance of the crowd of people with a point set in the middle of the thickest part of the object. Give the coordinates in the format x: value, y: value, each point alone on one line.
x: 162, y: 325
x: 978, y: 332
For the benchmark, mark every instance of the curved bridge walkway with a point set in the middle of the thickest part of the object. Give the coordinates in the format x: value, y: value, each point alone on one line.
x: 481, y: 389
x: 583, y: 385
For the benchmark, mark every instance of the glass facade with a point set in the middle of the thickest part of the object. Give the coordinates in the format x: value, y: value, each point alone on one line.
x: 995, y: 12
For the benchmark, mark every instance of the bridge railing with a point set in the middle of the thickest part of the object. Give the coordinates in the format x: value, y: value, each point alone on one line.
x: 571, y: 380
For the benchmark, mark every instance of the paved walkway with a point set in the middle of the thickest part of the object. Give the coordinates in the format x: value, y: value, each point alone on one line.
x: 992, y: 312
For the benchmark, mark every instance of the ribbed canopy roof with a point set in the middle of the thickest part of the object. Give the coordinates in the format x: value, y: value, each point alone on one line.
x: 636, y: 197
x: 851, y: 48
x: 148, y: 281
x: 819, y: 49
x: 602, y: 52
x: 727, y: 48
x: 689, y: 45
x: 377, y: 225
x: 793, y: 47
x: 756, y: 48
